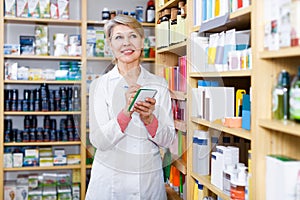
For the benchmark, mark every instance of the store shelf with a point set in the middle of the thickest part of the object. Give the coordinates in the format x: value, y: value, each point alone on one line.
x: 42, y: 143
x: 218, y: 126
x: 169, y: 4
x: 288, y: 127
x: 99, y: 23
x: 242, y: 13
x: 281, y: 53
x: 178, y: 95
x: 180, y: 125
x: 179, y: 49
x: 43, y: 168
x: 238, y: 73
x: 205, y: 180
x: 36, y: 57
x: 22, y: 113
x: 42, y: 81
x: 171, y: 194
x: 20, y: 20
x: 180, y: 165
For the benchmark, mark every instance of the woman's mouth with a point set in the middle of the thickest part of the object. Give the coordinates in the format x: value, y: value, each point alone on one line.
x: 127, y: 51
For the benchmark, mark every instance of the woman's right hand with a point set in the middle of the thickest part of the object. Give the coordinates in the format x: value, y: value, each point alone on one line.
x: 129, y: 95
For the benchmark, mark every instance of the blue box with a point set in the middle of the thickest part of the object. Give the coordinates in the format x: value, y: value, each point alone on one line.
x: 246, y: 112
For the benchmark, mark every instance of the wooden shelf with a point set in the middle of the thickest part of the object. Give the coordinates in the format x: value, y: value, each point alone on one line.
x: 241, y: 16
x: 20, y: 20
x: 178, y: 95
x: 218, y: 126
x: 288, y: 127
x: 99, y: 23
x: 205, y: 181
x: 42, y: 81
x: 180, y: 125
x: 36, y: 57
x: 169, y: 4
x: 238, y: 73
x: 171, y: 194
x: 88, y: 166
x: 22, y: 113
x: 180, y: 165
x: 281, y: 53
x: 242, y: 12
x: 42, y: 143
x: 179, y: 49
x: 43, y: 168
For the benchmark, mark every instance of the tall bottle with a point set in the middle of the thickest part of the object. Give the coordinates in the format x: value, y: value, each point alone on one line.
x: 295, y: 98
x: 281, y: 96
x: 165, y: 27
x: 150, y: 12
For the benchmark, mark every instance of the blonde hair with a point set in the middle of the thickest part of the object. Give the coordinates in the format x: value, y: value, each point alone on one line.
x: 123, y: 20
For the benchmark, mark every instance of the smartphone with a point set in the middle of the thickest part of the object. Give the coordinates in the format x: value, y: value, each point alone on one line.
x: 141, y: 95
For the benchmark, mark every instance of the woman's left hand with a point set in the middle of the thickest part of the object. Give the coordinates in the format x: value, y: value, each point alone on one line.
x: 145, y: 109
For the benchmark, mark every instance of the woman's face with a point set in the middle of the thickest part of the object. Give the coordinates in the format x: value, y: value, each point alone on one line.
x: 126, y: 44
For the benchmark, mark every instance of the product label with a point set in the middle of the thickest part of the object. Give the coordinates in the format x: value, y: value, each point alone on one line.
x: 150, y: 16
x: 295, y: 103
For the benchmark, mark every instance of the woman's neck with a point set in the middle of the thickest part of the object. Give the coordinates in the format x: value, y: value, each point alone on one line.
x: 130, y: 72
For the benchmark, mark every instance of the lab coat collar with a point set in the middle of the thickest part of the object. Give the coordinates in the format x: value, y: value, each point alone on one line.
x: 114, y: 74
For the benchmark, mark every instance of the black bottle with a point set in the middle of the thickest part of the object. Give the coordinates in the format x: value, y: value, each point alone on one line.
x: 76, y: 100
x: 150, y: 12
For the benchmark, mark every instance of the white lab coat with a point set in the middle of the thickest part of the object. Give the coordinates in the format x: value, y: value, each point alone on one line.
x: 127, y: 166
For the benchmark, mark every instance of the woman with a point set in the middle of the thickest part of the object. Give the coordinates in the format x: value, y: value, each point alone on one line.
x: 127, y: 163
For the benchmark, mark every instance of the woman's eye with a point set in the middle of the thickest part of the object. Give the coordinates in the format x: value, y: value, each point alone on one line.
x: 118, y: 37
x: 133, y: 36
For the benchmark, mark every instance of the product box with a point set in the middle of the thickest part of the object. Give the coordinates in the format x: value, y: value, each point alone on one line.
x: 8, y: 160
x: 45, y: 151
x: 63, y: 9
x: 34, y: 181
x: 31, y: 157
x: 46, y: 161
x: 35, y: 194
x: 33, y: 9
x: 10, y: 190
x: 64, y: 193
x: 27, y: 44
x: 53, y: 9
x: 75, y: 192
x: 10, y: 8
x: 281, y: 177
x: 41, y: 40
x: 11, y: 71
x: 22, y: 8
x: 17, y: 159
x: 90, y: 41
x: 49, y: 193
x: 73, y: 159
x: 11, y: 49
x: 60, y: 44
x: 44, y: 8
x: 100, y: 43
x: 63, y: 178
x: 49, y: 179
x: 22, y: 191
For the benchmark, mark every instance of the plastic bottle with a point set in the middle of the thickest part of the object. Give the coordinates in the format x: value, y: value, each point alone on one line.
x: 238, y: 184
x: 295, y: 98
x: 281, y: 96
x: 105, y: 14
x: 150, y: 12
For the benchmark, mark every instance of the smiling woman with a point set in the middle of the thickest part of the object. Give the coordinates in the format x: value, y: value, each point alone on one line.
x: 127, y: 163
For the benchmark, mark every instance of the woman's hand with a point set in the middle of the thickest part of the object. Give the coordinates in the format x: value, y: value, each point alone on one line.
x: 129, y: 95
x: 145, y: 109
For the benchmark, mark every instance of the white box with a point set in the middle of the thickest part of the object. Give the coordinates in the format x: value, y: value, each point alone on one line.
x: 10, y: 190
x: 17, y: 159
x: 281, y: 178
x: 10, y: 8
x: 219, y: 102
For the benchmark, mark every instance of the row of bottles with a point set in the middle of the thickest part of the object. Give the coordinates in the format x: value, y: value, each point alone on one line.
x: 138, y: 13
x: 171, y: 25
x: 68, y: 130
x: 286, y: 97
x: 43, y: 99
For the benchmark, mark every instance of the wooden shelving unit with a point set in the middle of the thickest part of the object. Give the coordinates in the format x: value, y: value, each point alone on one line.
x: 240, y: 20
x: 288, y: 127
x: 242, y: 133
